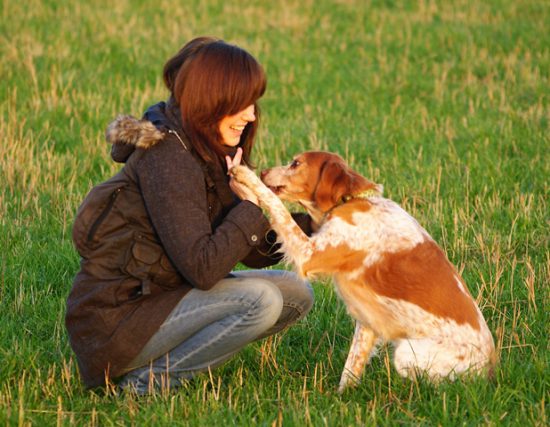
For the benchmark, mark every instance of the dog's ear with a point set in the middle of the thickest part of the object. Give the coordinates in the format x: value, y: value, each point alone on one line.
x: 334, y: 182
x: 337, y: 181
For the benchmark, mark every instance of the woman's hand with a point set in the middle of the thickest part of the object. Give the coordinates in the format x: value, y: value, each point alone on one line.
x: 239, y: 189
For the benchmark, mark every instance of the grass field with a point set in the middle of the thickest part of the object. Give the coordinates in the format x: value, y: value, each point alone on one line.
x: 445, y: 103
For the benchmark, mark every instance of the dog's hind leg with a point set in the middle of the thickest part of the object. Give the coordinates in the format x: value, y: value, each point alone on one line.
x: 362, y: 346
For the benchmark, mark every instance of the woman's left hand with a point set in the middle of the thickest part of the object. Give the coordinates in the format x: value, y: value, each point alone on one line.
x: 239, y: 189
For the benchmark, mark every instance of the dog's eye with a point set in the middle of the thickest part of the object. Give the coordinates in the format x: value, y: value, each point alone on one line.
x: 294, y: 164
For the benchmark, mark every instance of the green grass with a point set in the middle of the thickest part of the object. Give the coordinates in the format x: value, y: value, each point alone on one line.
x: 445, y: 103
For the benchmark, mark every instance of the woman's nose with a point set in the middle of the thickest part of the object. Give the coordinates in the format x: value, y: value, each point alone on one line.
x: 249, y: 114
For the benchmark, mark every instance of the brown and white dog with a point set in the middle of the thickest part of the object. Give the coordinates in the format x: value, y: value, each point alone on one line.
x: 395, y: 280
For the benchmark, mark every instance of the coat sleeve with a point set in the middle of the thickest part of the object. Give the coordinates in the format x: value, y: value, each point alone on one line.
x: 268, y: 252
x: 174, y: 193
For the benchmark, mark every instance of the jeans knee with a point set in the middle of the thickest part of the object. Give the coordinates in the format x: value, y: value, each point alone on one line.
x: 268, y: 303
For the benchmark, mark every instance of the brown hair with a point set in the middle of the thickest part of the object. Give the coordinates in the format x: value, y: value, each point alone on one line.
x: 210, y: 79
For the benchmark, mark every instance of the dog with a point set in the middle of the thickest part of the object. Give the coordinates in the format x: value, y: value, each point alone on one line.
x: 395, y: 281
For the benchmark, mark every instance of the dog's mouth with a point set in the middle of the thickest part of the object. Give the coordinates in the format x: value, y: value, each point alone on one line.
x: 277, y: 189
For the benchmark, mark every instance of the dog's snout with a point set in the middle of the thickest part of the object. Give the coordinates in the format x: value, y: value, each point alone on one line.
x: 263, y: 174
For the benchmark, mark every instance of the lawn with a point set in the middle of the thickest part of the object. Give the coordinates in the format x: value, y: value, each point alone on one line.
x: 445, y: 103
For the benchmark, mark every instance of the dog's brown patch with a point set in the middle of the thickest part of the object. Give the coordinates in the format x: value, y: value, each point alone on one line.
x: 423, y: 276
x: 334, y: 259
x: 347, y: 210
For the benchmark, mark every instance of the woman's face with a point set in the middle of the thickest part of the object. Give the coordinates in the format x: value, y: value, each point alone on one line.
x: 232, y: 127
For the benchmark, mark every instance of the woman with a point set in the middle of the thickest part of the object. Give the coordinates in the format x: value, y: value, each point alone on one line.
x: 156, y: 300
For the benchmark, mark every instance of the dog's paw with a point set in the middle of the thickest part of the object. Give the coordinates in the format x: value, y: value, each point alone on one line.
x: 347, y: 381
x: 243, y: 175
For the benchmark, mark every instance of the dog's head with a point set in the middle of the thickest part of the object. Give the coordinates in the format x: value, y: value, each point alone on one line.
x: 316, y: 179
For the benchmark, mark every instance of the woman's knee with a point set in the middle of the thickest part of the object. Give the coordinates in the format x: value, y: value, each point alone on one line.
x: 268, y: 302
x: 261, y: 299
x: 296, y: 291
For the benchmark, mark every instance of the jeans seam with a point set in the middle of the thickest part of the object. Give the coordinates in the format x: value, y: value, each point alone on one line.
x: 174, y: 318
x: 242, y: 319
x: 211, y: 341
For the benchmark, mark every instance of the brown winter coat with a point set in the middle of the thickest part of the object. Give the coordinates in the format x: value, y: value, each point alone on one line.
x: 165, y: 223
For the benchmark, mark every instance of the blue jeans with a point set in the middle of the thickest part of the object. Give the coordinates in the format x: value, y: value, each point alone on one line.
x: 206, y: 328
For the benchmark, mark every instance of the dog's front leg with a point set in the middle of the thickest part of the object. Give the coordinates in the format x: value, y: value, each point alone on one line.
x: 364, y: 340
x: 296, y: 244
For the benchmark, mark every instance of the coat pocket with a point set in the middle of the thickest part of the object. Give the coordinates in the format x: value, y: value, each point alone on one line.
x: 95, y: 218
x: 148, y: 262
x: 103, y: 214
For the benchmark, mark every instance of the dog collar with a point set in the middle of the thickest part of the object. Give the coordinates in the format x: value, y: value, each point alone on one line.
x: 363, y: 195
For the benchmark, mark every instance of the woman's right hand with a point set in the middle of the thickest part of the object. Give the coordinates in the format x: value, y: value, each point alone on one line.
x: 242, y: 191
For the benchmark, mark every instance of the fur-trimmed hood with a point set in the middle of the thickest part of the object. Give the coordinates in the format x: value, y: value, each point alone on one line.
x: 127, y: 133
